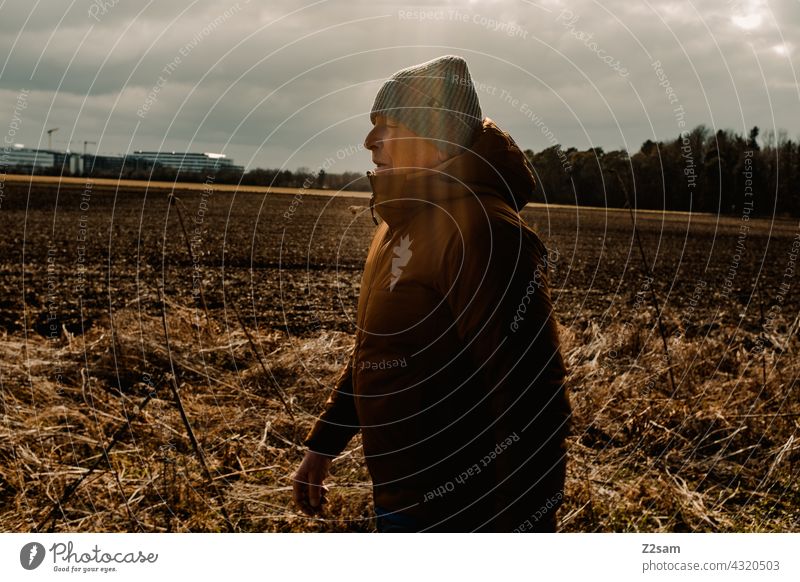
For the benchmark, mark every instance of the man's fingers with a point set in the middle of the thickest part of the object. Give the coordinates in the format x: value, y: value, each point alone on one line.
x: 300, y: 490
x: 307, y: 488
x: 314, y: 494
x: 305, y: 506
x: 308, y: 493
x: 297, y: 488
x: 300, y: 486
x: 309, y: 509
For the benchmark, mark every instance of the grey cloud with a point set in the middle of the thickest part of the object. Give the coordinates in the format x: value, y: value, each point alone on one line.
x: 228, y: 89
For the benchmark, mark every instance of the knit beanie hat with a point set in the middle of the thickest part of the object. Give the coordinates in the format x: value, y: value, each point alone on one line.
x: 436, y: 100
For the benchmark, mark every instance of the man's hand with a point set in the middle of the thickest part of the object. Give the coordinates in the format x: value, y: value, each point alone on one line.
x: 309, y: 493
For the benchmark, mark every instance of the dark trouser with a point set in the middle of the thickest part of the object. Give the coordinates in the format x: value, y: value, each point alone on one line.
x: 534, y: 512
x: 395, y: 522
x: 388, y: 522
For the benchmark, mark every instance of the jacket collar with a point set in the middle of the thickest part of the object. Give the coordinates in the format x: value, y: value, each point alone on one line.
x: 397, y: 197
x: 494, y: 165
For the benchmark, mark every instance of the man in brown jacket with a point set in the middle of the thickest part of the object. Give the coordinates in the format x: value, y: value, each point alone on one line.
x: 456, y: 381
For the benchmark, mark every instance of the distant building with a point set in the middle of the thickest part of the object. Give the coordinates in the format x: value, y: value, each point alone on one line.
x: 109, y: 165
x: 189, y: 162
x: 18, y: 158
x: 22, y: 158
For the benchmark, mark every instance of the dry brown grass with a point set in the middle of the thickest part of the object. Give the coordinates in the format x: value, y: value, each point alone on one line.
x: 52, y: 434
x: 720, y: 455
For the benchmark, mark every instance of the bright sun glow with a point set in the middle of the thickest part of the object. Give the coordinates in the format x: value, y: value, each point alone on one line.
x: 748, y: 22
x: 781, y: 49
x: 750, y: 15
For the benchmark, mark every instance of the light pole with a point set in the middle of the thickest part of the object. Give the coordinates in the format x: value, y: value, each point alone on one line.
x: 50, y: 137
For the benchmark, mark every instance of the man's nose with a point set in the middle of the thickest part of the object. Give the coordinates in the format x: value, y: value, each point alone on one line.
x: 371, y: 141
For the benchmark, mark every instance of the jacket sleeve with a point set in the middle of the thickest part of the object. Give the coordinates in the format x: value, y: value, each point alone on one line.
x: 500, y: 300
x: 339, y: 422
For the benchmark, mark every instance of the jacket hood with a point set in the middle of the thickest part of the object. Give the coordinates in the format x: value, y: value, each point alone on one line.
x: 495, y: 162
x: 493, y: 165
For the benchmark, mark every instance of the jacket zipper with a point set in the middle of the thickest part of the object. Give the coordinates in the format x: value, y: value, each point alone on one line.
x: 378, y: 261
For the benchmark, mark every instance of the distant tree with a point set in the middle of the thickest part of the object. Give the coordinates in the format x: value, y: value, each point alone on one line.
x: 752, y: 141
x: 616, y: 172
x: 721, y: 158
x: 553, y: 172
x: 649, y: 147
x: 587, y: 177
x: 784, y: 183
x: 647, y: 187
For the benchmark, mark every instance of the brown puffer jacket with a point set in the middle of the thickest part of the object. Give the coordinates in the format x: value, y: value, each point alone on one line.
x: 456, y: 380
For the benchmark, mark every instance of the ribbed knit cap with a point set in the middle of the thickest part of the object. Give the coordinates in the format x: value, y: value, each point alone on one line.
x: 436, y: 100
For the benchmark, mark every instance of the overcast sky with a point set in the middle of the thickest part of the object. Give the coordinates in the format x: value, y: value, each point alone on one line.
x: 289, y: 84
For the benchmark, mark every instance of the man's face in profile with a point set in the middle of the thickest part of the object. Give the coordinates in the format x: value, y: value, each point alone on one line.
x: 395, y: 148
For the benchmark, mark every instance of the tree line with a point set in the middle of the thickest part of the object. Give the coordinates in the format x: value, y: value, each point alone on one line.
x: 699, y: 171
x: 300, y: 178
